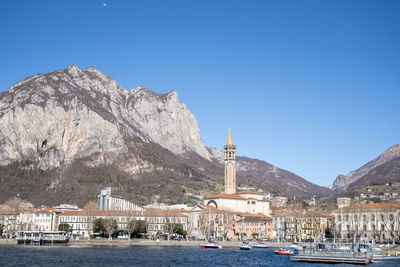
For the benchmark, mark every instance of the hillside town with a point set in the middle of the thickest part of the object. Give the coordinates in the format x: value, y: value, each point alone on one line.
x: 231, y: 214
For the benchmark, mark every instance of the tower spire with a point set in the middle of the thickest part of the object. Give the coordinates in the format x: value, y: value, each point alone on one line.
x: 230, y: 165
x: 229, y: 142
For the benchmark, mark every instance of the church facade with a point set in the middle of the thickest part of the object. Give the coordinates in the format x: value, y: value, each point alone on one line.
x: 244, y: 201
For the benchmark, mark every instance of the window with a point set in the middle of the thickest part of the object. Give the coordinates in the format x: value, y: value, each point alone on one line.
x: 253, y: 202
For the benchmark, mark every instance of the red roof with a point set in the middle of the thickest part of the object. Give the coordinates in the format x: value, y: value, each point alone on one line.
x: 233, y: 196
x: 247, y: 214
x: 373, y: 206
x: 209, y: 207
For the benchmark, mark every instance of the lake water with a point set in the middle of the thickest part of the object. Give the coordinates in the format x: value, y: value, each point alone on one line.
x: 146, y: 256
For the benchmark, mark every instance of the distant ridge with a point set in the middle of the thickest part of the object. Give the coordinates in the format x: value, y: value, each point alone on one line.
x: 343, y: 181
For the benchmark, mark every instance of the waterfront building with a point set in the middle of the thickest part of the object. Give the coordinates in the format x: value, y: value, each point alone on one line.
x: 249, y: 225
x: 377, y: 221
x: 43, y: 219
x: 106, y: 201
x: 297, y: 225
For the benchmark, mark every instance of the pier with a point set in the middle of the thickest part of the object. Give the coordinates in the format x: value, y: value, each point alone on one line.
x: 325, y: 256
x: 42, y: 237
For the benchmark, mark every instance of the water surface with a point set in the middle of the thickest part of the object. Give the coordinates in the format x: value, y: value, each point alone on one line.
x: 146, y: 256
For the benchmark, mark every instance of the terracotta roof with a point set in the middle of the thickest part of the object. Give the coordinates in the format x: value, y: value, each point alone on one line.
x: 247, y: 214
x: 248, y: 192
x: 233, y: 196
x: 373, y: 206
x: 209, y: 207
x: 8, y: 212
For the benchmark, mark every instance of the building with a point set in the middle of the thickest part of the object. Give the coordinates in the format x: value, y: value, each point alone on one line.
x: 376, y: 221
x: 343, y: 202
x: 252, y: 226
x: 106, y: 201
x: 39, y: 219
x: 244, y: 201
x: 297, y: 225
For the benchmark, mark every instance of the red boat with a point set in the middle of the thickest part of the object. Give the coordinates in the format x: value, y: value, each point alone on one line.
x: 210, y: 245
x: 284, y: 251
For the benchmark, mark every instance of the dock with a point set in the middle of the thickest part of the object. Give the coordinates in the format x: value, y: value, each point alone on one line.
x: 325, y: 256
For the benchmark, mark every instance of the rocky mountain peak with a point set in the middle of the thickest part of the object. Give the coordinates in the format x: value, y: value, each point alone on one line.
x: 80, y: 113
x: 342, y: 181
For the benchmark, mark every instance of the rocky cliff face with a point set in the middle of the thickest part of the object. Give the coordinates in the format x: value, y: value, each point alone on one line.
x: 75, y: 131
x: 343, y: 181
x: 70, y: 114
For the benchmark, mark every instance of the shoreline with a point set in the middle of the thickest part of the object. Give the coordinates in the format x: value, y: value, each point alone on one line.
x: 161, y: 243
x: 141, y: 242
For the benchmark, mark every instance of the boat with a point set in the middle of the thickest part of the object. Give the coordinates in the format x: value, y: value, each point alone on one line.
x: 210, y: 245
x: 296, y: 246
x: 260, y: 246
x: 284, y: 251
x: 244, y: 247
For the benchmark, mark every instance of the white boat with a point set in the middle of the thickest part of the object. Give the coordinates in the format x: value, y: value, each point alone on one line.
x: 260, y: 246
x: 296, y: 246
x: 244, y: 247
x: 211, y: 245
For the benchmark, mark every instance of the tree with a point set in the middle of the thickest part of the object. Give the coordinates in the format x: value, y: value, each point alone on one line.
x: 205, y: 222
x: 98, y: 226
x: 65, y: 227
x: 228, y: 219
x: 180, y: 231
x: 89, y: 211
x: 390, y: 220
x: 111, y: 226
x: 131, y: 225
x: 170, y: 222
x: 141, y: 228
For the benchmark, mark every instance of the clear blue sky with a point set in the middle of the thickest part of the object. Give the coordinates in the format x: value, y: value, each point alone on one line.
x: 310, y: 86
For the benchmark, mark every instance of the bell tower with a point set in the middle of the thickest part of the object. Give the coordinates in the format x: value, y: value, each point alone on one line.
x: 230, y: 165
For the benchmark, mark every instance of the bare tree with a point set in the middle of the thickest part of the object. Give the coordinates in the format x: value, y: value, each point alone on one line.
x: 228, y: 219
x: 131, y: 226
x: 111, y: 226
x: 171, y: 224
x: 389, y: 221
x: 206, y: 222
x: 89, y: 211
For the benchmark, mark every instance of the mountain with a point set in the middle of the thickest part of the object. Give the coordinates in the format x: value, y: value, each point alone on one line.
x: 66, y: 134
x: 389, y: 172
x: 343, y: 181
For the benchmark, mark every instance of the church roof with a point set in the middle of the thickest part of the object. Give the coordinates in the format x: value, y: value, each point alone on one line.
x: 233, y: 196
x: 229, y: 142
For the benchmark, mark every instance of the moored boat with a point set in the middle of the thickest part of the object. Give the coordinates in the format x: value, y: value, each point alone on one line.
x: 210, y: 245
x: 244, y: 247
x: 284, y: 251
x: 260, y: 246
